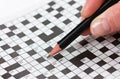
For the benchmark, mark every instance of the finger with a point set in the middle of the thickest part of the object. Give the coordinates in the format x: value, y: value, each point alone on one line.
x: 86, y: 32
x: 90, y: 7
x: 107, y: 22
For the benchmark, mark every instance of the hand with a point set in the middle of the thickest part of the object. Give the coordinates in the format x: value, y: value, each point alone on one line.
x: 106, y: 23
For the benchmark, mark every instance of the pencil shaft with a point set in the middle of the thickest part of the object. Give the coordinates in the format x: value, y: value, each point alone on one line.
x: 84, y: 25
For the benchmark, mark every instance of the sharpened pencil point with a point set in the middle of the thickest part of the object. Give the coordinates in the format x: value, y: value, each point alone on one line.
x: 55, y: 50
x: 49, y: 56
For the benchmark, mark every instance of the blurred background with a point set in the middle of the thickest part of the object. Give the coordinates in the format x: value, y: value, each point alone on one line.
x: 12, y: 9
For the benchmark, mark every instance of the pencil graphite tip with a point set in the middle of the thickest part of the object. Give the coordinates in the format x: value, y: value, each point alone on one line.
x: 55, y: 50
x: 48, y: 56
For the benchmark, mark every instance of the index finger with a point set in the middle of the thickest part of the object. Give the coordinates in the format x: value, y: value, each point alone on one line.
x: 90, y: 7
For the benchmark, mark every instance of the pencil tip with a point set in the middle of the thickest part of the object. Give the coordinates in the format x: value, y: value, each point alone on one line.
x: 55, y: 50
x: 49, y: 56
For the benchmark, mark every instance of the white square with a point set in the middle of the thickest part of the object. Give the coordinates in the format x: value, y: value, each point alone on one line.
x: 30, y: 59
x: 105, y: 74
x: 47, y: 74
x: 20, y: 69
x: 83, y: 67
x: 87, y: 77
x: 3, y: 71
x: 45, y: 63
x: 93, y: 74
x: 22, y: 62
x: 95, y: 66
x: 54, y: 71
x: 106, y: 66
x: 72, y: 67
x: 3, y: 53
x: 7, y: 57
x: 100, y: 70
x: 36, y: 73
x: 59, y: 74
x: 13, y: 72
x: 61, y: 67
x: 4, y: 65
x: 77, y: 71
x: 12, y: 61
x: 43, y: 70
x: 82, y: 74
x: 38, y: 66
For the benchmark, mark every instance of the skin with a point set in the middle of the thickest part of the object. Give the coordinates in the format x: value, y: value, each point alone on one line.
x: 106, y: 23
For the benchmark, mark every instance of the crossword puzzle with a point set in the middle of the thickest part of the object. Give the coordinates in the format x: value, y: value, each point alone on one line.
x: 26, y: 42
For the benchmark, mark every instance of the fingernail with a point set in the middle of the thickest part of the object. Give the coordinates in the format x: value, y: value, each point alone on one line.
x: 100, y: 27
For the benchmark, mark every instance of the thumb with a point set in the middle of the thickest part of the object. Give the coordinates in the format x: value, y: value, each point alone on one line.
x: 108, y: 22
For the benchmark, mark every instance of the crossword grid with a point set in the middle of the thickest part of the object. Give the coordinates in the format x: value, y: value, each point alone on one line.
x: 26, y: 42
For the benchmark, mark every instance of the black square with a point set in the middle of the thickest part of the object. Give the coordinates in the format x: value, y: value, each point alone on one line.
x: 48, y: 49
x: 60, y: 9
x: 78, y: 15
x: 6, y: 46
x: 88, y: 70
x: 31, y: 52
x: 71, y: 49
x: 25, y: 22
x: 116, y: 42
x: 50, y: 67
x: 50, y: 9
x: 83, y: 42
x: 40, y: 60
x: 79, y: 8
x: 6, y: 76
x: 117, y: 35
x: 14, y: 54
x: 2, y: 27
x: 72, y: 2
x: 77, y: 60
x: 29, y: 42
x: 16, y: 47
x: 0, y: 39
x: 58, y: 15
x: 66, y: 71
x: 100, y: 39
x: 51, y: 3
x: 33, y: 29
x: 20, y: 35
x: 67, y: 21
x: 113, y: 56
x: 12, y: 67
x: 46, y: 22
x: 12, y: 27
x: 52, y: 77
x: 111, y: 70
x: 101, y: 63
x: 37, y: 16
x: 58, y: 56
x: 2, y: 60
x: 10, y: 34
x: 99, y: 77
x: 104, y: 49
x: 21, y: 74
x: 76, y: 77
x: 41, y: 76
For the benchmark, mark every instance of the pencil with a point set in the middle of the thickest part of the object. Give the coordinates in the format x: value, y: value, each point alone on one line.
x: 80, y: 28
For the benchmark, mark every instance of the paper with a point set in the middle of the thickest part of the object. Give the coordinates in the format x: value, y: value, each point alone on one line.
x: 26, y: 42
